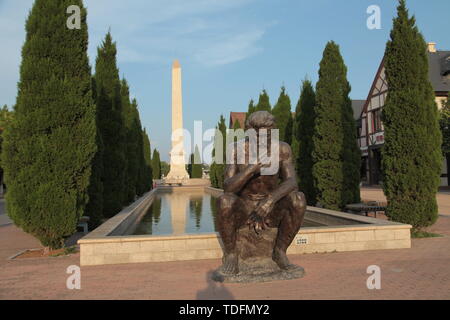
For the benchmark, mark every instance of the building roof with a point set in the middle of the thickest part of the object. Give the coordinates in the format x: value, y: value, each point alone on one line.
x: 357, y: 106
x: 439, y: 69
x: 237, y: 116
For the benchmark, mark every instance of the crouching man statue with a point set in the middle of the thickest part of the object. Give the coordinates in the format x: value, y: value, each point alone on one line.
x: 259, y: 213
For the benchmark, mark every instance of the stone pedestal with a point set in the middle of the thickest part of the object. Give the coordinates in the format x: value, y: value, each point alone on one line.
x: 255, y: 259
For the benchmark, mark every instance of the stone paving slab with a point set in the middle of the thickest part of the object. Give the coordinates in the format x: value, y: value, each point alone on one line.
x: 421, y: 272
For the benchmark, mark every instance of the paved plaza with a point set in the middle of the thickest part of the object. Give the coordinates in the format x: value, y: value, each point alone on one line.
x: 422, y: 272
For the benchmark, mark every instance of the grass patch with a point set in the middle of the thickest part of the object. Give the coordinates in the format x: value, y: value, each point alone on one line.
x: 424, y: 234
x: 66, y: 251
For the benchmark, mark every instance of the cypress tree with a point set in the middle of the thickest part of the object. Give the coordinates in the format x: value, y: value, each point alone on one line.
x: 143, y: 179
x: 189, y: 165
x: 263, y: 102
x: 283, y: 116
x: 50, y: 143
x: 444, y: 122
x: 94, y: 207
x: 289, y: 131
x: 411, y: 156
x: 111, y: 126
x: 133, y: 138
x: 217, y: 171
x: 196, y: 165
x: 305, y: 117
x: 251, y: 108
x: 148, y: 162
x: 5, y: 118
x: 156, y: 165
x: 333, y: 150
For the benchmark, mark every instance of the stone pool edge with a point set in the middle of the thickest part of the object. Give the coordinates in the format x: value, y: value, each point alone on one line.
x: 104, y: 245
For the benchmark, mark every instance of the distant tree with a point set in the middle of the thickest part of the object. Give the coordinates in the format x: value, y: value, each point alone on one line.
x: 6, y: 117
x: 263, y: 102
x: 49, y: 145
x: 411, y: 155
x: 196, y: 172
x: 156, y: 165
x: 251, y: 108
x: 219, y: 155
x: 112, y: 127
x: 147, y: 166
x: 289, y: 131
x: 334, y: 151
x: 133, y: 138
x: 283, y: 116
x: 165, y: 168
x: 305, y: 118
x: 237, y: 125
x: 444, y: 122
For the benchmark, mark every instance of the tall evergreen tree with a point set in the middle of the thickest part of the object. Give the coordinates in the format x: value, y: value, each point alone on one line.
x: 143, y: 179
x: 445, y: 126
x: 263, y: 102
x: 411, y: 156
x: 111, y: 126
x: 283, y: 116
x: 147, y: 172
x: 289, y: 131
x: 156, y: 165
x: 333, y: 150
x: 251, y: 108
x: 5, y: 119
x: 196, y: 165
x: 94, y: 207
x: 133, y: 147
x: 50, y: 143
x: 217, y: 170
x: 305, y: 118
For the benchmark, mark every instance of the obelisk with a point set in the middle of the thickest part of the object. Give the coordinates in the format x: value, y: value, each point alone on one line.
x: 177, y: 173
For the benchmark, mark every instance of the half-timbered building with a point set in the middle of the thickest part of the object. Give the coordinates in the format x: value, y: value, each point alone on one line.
x: 370, y: 125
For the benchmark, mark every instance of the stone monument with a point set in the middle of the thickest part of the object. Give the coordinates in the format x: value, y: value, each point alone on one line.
x: 177, y: 173
x: 259, y: 215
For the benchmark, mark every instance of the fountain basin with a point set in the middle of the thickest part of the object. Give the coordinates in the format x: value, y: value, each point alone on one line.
x: 324, y: 231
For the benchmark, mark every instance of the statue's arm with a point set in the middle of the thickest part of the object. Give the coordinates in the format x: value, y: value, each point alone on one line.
x: 234, y: 179
x: 287, y: 173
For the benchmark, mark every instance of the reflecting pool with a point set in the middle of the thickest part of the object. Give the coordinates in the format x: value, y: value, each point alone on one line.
x: 177, y: 211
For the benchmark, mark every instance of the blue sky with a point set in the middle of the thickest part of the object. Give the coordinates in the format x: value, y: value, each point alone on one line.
x: 229, y: 50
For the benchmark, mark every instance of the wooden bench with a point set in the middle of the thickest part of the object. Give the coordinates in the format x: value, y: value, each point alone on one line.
x: 365, y: 208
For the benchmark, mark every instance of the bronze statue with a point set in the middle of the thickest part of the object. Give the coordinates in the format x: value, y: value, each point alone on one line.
x: 259, y: 202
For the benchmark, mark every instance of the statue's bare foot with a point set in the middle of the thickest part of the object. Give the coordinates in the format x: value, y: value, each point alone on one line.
x: 279, y: 256
x: 230, y: 263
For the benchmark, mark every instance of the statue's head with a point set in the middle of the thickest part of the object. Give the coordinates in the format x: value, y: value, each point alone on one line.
x: 260, y: 120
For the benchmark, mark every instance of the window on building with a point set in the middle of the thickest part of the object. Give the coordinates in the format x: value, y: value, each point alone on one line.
x: 376, y: 122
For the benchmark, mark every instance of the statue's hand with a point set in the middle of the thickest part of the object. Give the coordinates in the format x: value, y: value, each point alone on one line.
x: 256, y: 222
x: 265, y: 207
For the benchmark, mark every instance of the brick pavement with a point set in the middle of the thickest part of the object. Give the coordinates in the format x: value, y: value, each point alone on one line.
x: 422, y: 272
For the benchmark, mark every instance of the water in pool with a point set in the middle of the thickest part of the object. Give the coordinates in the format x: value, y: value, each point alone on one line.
x: 176, y: 212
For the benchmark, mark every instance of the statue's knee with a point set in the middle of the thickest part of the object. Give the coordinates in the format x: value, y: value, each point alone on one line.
x: 298, y: 200
x: 226, y: 201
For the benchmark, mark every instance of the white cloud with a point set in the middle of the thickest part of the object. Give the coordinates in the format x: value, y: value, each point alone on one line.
x: 233, y: 48
x: 206, y: 32
x: 202, y: 31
